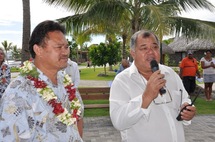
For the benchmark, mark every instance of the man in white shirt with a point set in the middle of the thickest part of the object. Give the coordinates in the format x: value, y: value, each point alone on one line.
x: 137, y: 109
x: 73, y: 71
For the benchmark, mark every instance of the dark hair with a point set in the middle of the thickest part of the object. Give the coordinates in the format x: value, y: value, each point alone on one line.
x: 41, y: 32
x: 208, y: 51
x: 144, y: 34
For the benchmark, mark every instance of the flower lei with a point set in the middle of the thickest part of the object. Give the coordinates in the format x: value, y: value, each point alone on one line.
x: 48, y: 95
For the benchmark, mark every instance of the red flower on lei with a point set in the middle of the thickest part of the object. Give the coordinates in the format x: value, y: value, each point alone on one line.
x: 57, y: 106
x: 47, y: 94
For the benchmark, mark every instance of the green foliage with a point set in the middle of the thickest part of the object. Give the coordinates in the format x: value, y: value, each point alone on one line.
x: 103, y: 54
x: 16, y: 53
x: 73, y: 49
x: 94, y: 55
x: 14, y: 69
x: 113, y: 53
x: 7, y: 46
x: 200, y: 68
x: 169, y: 62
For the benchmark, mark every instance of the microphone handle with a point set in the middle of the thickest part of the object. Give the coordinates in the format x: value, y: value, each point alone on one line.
x: 162, y: 91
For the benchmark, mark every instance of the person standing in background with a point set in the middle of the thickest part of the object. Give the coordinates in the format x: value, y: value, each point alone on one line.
x: 123, y: 65
x: 208, y: 66
x: 5, y: 74
x: 188, y: 72
x: 73, y: 71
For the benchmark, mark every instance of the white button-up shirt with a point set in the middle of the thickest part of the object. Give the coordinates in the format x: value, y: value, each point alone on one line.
x: 158, y: 122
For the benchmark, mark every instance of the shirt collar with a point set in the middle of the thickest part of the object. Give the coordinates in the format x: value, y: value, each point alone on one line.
x: 47, y: 80
x: 134, y: 72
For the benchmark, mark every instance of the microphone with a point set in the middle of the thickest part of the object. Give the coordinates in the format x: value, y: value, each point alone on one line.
x: 154, y: 67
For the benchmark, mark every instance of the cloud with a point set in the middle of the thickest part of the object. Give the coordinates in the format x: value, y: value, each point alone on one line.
x: 5, y: 23
x: 11, y: 17
x: 11, y: 10
x: 10, y: 32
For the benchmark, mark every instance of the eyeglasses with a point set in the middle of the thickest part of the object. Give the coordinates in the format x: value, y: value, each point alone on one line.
x: 163, y: 99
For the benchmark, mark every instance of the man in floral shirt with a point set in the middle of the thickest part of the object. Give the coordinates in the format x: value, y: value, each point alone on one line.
x: 41, y: 104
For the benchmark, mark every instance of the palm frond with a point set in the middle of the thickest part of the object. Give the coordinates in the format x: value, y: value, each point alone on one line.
x: 187, y: 5
x: 193, y: 27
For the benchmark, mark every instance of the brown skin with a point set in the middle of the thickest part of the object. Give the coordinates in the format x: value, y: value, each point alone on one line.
x: 146, y: 50
x: 2, y: 56
x: 125, y: 63
x: 53, y: 56
x: 208, y: 86
x: 80, y: 124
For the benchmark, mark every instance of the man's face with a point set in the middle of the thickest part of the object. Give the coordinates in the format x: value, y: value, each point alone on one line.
x: 208, y: 54
x: 54, y: 54
x: 190, y: 56
x: 146, y: 50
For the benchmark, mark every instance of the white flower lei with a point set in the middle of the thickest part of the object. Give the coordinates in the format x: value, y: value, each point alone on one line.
x: 48, y: 94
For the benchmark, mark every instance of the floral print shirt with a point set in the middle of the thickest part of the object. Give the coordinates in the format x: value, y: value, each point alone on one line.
x: 25, y: 116
x: 4, y: 78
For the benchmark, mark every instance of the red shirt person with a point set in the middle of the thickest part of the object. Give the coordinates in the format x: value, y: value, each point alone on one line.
x: 188, y: 71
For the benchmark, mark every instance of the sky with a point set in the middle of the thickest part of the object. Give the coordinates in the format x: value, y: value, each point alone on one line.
x: 11, y: 18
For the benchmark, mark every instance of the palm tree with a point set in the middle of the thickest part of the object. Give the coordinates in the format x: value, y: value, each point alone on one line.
x: 7, y: 46
x: 26, y: 30
x: 159, y: 16
x: 16, y: 52
x: 80, y: 39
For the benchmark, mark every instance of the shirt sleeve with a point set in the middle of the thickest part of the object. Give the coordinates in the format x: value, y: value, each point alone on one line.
x: 14, y: 124
x: 182, y: 64
x: 76, y: 75
x: 125, y: 112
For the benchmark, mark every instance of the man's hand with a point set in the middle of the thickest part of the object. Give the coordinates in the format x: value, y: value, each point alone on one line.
x: 155, y: 83
x: 189, y: 112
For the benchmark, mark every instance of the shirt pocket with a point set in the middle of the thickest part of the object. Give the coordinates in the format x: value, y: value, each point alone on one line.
x: 176, y: 100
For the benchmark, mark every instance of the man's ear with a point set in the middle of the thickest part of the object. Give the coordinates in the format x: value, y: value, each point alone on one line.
x: 132, y: 52
x: 37, y: 49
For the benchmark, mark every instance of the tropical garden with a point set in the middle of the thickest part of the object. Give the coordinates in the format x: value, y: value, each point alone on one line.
x: 117, y: 20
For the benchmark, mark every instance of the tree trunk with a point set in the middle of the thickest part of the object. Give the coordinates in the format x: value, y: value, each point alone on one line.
x: 26, y: 30
x: 105, y: 69
x: 124, y: 38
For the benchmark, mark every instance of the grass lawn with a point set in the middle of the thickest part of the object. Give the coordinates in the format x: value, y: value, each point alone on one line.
x: 97, y: 74
x: 14, y: 69
x: 203, y: 107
